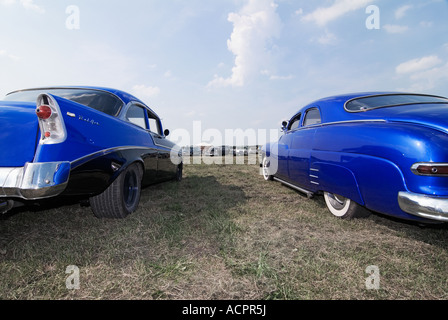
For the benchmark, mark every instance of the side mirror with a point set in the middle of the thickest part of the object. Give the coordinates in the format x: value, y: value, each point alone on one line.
x: 166, y: 132
x: 284, y: 125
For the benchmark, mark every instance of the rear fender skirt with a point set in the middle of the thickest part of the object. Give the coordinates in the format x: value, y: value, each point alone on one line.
x: 378, y: 181
x: 336, y: 179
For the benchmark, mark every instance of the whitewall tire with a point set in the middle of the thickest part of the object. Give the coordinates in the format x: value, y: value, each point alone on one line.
x: 344, y: 208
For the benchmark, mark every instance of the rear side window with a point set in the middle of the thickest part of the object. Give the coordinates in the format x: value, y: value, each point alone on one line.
x: 154, y: 124
x: 137, y: 116
x: 312, y: 117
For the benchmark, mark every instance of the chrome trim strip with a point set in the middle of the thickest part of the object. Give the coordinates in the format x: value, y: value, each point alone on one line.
x: 69, y: 88
x: 324, y: 124
x: 308, y: 193
x: 353, y: 121
x: 77, y: 162
x: 424, y: 206
x: 393, y: 105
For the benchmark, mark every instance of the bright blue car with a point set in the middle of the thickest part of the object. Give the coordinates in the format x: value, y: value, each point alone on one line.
x: 100, y: 144
x: 382, y: 152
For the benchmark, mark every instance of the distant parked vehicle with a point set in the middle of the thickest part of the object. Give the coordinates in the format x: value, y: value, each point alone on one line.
x: 384, y: 152
x: 211, y: 152
x: 240, y: 151
x: 222, y: 150
x: 253, y: 150
x: 191, y: 151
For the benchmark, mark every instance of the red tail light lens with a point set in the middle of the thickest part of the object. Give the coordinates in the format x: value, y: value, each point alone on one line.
x: 428, y: 169
x: 43, y: 112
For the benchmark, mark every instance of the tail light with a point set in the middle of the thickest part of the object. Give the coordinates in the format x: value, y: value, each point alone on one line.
x: 430, y: 169
x: 50, y: 120
x: 43, y: 112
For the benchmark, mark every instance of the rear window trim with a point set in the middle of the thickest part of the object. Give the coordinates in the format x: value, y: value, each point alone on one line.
x: 393, y: 105
x: 74, y: 88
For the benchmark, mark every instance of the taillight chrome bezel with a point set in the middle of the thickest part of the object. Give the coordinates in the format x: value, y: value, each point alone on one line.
x: 430, y: 169
x: 52, y: 126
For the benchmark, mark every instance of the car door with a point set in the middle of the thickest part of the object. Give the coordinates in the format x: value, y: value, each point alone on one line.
x: 280, y: 151
x: 166, y: 167
x: 300, y: 150
x: 137, y: 114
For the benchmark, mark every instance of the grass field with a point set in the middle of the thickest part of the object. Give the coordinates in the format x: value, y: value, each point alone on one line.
x: 222, y: 233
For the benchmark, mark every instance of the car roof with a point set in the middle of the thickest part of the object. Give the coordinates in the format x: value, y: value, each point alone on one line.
x: 349, y: 96
x: 332, y: 107
x: 124, y: 96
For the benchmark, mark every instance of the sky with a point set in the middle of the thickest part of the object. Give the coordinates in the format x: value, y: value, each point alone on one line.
x: 218, y: 70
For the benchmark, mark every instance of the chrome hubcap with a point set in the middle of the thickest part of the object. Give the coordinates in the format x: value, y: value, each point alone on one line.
x: 336, y: 201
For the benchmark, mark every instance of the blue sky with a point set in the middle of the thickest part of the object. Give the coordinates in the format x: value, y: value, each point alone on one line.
x: 225, y: 64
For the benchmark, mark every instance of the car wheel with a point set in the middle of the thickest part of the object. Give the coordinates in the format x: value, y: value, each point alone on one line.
x: 344, y: 208
x: 266, y: 169
x: 122, y: 197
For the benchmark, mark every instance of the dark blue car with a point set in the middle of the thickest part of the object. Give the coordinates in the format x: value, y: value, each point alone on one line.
x: 382, y: 152
x: 97, y: 143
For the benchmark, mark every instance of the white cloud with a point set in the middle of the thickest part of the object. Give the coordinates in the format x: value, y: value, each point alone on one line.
x: 4, y: 53
x: 253, y: 27
x: 424, y: 73
x: 395, y: 28
x: 426, y: 24
x: 429, y: 79
x: 322, y: 16
x: 30, y: 5
x: 328, y: 38
x: 142, y: 91
x: 417, y: 65
x: 298, y: 12
x: 275, y: 77
x: 27, y: 4
x: 7, y: 2
x: 401, y: 12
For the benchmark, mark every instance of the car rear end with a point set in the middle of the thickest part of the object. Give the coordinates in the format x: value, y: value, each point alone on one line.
x: 418, y: 137
x: 21, y: 178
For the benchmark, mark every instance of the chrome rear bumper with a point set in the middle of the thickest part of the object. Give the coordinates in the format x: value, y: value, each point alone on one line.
x: 424, y: 206
x: 34, y: 180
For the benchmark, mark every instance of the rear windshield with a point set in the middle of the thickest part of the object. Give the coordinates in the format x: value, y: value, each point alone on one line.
x: 99, y: 100
x: 391, y: 100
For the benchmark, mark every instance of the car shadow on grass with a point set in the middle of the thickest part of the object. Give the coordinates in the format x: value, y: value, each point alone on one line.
x: 191, y: 215
x: 171, y: 238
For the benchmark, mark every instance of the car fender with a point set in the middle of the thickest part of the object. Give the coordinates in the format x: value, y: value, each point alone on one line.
x: 94, y: 175
x: 336, y: 179
x: 370, y: 181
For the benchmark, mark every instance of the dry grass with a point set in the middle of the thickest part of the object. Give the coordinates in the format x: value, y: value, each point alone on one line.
x: 222, y: 233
